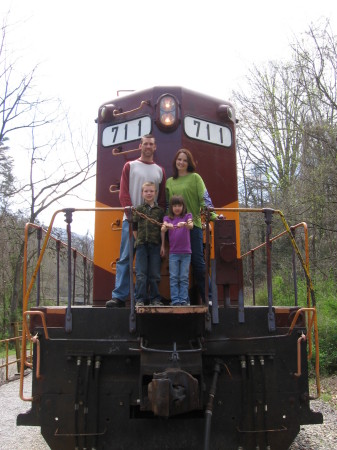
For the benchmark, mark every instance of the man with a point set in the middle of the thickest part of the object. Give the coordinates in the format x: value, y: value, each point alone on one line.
x: 134, y: 175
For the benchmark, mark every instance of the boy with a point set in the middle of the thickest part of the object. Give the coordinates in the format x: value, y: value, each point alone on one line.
x: 148, y: 244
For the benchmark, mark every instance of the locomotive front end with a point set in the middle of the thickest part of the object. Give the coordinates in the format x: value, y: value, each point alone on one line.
x: 220, y: 373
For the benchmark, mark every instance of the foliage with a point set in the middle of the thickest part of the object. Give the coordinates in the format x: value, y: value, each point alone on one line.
x: 326, y: 303
x: 6, y: 175
x: 326, y: 298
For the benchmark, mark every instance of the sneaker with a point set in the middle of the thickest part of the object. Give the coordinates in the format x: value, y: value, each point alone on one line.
x: 175, y: 304
x: 184, y: 303
x: 140, y: 303
x: 115, y: 303
x: 157, y: 303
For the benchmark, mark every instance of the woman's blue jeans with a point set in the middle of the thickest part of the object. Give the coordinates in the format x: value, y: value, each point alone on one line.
x: 197, y: 260
x: 179, y: 264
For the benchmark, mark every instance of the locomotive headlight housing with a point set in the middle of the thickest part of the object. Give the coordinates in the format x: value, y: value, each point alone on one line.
x: 226, y: 113
x: 167, y: 112
x: 106, y: 112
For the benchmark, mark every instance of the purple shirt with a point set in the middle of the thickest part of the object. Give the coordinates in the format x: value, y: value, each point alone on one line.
x: 180, y: 240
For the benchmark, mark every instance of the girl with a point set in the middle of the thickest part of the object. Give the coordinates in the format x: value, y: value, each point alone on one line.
x: 179, y: 223
x: 189, y: 184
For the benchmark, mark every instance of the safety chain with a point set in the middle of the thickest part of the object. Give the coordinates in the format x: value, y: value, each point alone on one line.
x: 144, y: 216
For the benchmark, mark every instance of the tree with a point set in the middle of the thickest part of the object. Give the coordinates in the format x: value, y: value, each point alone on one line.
x: 287, y: 139
x: 6, y: 176
x: 57, y: 157
x: 315, y: 58
x: 58, y: 165
x: 17, y: 96
x: 268, y: 133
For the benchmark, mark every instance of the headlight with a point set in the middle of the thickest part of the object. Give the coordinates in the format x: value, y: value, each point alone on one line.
x: 167, y: 112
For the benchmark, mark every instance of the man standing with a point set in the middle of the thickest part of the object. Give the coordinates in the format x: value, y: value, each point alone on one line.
x: 134, y: 175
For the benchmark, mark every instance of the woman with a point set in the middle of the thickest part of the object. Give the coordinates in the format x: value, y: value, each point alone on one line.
x: 187, y: 183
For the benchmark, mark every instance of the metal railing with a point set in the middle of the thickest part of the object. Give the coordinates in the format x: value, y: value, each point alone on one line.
x: 59, y: 245
x: 268, y: 213
x: 6, y: 360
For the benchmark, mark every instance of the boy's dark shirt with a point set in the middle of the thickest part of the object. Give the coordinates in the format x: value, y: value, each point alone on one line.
x: 148, y: 232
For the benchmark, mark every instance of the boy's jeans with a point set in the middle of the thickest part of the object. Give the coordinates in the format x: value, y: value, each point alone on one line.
x: 179, y: 276
x: 148, y: 264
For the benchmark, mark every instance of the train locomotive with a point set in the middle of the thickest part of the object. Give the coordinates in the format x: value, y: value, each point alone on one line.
x: 224, y: 374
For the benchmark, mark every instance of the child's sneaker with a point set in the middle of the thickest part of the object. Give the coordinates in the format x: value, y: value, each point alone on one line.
x: 184, y: 303
x: 157, y: 303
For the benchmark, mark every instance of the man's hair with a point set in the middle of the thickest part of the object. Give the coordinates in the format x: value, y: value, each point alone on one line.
x: 149, y: 183
x: 177, y: 200
x: 147, y: 136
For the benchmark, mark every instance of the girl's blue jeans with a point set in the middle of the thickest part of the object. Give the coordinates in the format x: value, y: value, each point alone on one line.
x: 179, y: 264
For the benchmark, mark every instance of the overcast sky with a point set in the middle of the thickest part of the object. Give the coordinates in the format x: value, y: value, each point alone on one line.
x: 88, y: 50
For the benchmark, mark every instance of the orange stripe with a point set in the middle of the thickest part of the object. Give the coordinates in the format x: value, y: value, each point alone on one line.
x: 107, y: 237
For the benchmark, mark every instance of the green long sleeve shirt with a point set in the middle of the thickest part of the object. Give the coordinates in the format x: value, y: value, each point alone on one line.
x: 191, y: 187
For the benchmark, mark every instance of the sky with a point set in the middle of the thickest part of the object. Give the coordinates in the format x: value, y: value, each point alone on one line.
x: 89, y: 50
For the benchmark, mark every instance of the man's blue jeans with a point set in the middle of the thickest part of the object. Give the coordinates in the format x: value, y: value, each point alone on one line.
x: 179, y: 264
x: 148, y: 264
x: 122, y: 282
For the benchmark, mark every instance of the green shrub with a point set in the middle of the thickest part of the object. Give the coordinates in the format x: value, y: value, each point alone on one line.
x: 326, y: 303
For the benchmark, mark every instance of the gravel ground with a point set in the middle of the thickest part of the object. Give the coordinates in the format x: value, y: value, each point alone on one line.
x: 11, y: 436
x: 313, y: 437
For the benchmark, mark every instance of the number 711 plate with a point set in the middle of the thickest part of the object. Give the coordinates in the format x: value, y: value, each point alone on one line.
x: 126, y: 131
x: 207, y: 131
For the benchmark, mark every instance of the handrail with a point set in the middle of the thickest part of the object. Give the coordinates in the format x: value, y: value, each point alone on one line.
x: 305, y: 266
x: 306, y: 240
x: 288, y: 230
x: 118, y: 152
x: 34, y: 340
x: 311, y: 321
x: 25, y: 253
x: 27, y: 291
x: 303, y: 224
x: 299, y: 368
x: 7, y: 362
x: 116, y: 112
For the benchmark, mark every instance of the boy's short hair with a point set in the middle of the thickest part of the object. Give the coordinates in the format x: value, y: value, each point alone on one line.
x: 149, y: 183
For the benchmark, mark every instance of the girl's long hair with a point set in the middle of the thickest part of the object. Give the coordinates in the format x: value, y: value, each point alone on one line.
x: 191, y: 163
x: 177, y: 200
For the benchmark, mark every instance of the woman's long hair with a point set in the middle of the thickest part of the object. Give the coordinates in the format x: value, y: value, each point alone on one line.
x: 177, y: 200
x: 191, y: 163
